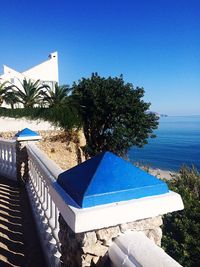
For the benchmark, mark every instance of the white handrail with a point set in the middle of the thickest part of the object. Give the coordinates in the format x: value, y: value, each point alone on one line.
x: 8, y: 158
x: 50, y: 165
x: 134, y: 249
x: 42, y: 176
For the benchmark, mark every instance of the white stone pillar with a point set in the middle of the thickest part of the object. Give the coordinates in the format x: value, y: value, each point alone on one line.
x: 23, y: 138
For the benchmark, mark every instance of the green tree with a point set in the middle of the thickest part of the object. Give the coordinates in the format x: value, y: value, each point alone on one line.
x: 56, y: 96
x: 113, y: 113
x: 181, y: 230
x: 29, y: 94
x: 2, y: 92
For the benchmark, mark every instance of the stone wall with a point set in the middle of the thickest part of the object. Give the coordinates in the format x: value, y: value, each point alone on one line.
x: 91, y: 248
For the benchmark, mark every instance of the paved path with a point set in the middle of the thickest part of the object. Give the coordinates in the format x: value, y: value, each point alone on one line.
x: 19, y: 243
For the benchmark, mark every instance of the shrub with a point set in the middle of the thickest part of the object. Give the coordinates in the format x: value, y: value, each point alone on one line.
x: 65, y: 117
x: 181, y: 230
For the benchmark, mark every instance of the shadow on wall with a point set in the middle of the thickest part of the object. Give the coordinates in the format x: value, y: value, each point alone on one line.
x: 19, y: 245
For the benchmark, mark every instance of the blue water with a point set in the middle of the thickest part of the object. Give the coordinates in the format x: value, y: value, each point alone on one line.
x: 177, y: 143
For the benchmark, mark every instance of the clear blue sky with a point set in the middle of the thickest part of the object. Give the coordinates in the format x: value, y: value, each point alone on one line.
x: 154, y: 44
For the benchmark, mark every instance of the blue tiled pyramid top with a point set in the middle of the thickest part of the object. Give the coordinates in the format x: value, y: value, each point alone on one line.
x: 107, y: 178
x: 26, y: 132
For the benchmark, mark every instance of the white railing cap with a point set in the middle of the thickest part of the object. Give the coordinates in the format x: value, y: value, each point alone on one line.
x: 135, y: 249
x: 7, y: 141
x: 88, y: 219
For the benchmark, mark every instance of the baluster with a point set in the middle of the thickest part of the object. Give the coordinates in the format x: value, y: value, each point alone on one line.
x: 56, y: 227
x: 1, y: 159
x: 6, y: 158
x: 34, y: 176
x: 13, y: 159
x: 10, y: 160
x: 40, y: 187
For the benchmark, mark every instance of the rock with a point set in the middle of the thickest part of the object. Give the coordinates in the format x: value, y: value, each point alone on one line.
x: 97, y: 249
x: 155, y: 235
x: 89, y: 239
x: 142, y: 225
x: 107, y: 234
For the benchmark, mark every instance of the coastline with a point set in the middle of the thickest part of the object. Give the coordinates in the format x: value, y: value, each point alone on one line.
x: 162, y: 174
x: 157, y: 172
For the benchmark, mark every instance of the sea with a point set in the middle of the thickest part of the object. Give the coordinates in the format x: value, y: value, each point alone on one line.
x: 177, y: 144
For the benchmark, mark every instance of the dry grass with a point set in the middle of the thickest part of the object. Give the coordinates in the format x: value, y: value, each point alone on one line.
x: 63, y: 148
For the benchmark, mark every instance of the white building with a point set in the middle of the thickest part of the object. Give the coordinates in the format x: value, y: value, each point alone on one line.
x: 46, y: 72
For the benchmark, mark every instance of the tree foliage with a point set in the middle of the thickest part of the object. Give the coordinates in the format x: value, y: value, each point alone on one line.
x: 56, y: 96
x: 10, y: 98
x: 181, y: 229
x: 2, y: 92
x: 29, y: 94
x: 113, y: 113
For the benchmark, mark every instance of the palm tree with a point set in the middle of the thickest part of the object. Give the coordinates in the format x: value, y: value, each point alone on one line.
x: 11, y: 98
x: 2, y: 92
x: 56, y: 96
x: 30, y: 93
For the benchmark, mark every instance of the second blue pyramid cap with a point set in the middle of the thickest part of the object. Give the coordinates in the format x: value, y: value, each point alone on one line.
x: 26, y: 132
x: 107, y: 178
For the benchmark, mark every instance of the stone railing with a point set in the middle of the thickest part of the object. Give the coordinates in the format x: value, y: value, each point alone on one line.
x: 8, y: 158
x: 82, y: 237
x: 42, y: 177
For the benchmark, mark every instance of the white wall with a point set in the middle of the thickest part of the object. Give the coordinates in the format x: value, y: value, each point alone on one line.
x: 11, y: 75
x: 12, y: 125
x: 46, y: 71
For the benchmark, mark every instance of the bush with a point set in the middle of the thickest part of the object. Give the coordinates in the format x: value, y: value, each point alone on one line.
x: 65, y: 117
x: 181, y: 230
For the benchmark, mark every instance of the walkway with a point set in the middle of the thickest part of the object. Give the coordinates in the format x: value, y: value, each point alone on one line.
x: 19, y: 243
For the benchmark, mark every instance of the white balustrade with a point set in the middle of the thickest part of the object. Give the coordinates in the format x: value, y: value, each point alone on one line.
x: 8, y: 158
x: 42, y: 177
x: 47, y: 199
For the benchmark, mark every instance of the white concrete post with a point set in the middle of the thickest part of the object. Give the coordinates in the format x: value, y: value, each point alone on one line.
x: 22, y: 139
x: 108, y: 197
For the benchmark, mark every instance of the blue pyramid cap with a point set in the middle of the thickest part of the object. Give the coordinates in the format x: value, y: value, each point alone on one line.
x: 106, y: 178
x: 26, y: 132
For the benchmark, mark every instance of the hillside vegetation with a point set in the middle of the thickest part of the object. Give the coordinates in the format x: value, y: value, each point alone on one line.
x: 181, y: 229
